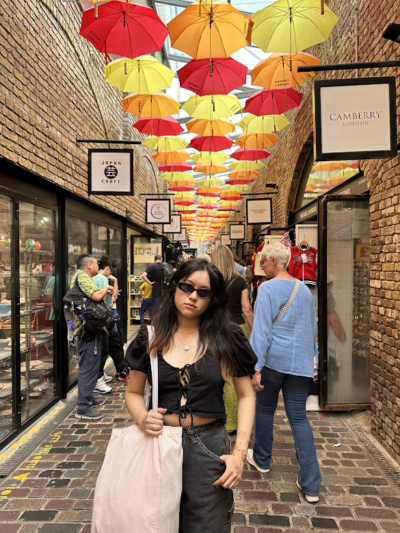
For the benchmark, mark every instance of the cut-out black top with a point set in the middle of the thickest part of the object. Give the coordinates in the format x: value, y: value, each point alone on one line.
x: 201, y: 383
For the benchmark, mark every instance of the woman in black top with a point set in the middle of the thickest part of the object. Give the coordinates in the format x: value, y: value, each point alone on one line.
x: 197, y: 348
x: 238, y: 307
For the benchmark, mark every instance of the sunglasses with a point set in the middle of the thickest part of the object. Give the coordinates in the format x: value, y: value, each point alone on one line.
x: 187, y: 288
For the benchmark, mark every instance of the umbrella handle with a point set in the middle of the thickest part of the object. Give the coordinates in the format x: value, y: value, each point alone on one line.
x: 322, y: 7
x: 96, y: 10
x: 127, y: 8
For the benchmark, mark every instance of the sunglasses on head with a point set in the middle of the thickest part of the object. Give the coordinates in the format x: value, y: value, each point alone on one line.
x: 206, y: 294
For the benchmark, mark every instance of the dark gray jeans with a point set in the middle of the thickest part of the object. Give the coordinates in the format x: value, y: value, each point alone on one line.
x: 204, y: 507
x: 88, y: 370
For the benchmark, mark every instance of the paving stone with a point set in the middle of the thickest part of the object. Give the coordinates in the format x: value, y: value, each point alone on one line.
x: 244, y: 530
x: 60, y: 528
x: 238, y: 518
x: 81, y: 431
x: 67, y: 465
x: 62, y: 450
x: 358, y: 525
x: 10, y: 528
x: 77, y: 494
x: 260, y: 495
x: 377, y: 481
x: 375, y: 513
x: 80, y: 443
x: 391, y: 502
x: 364, y: 490
x: 58, y: 483
x: 38, y: 516
x: 390, y: 527
x: 266, y: 520
x: 324, y: 523
x: 83, y: 505
x: 332, y: 511
x: 73, y: 474
x: 51, y: 473
x: 292, y: 497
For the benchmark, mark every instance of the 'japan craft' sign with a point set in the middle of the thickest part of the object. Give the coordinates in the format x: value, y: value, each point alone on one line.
x: 355, y: 119
x: 111, y: 172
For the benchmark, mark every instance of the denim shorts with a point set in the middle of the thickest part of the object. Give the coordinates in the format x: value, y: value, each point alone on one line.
x: 205, y: 508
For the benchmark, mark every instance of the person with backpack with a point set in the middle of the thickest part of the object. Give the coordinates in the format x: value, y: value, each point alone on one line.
x: 154, y: 276
x: 89, y: 342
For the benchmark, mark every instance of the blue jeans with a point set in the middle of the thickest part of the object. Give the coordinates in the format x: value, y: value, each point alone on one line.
x: 295, y: 391
x: 146, y: 304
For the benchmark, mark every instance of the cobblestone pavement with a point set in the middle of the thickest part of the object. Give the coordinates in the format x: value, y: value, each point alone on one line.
x: 52, y: 491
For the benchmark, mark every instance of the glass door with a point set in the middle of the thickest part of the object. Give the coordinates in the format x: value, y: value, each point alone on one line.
x: 345, y: 302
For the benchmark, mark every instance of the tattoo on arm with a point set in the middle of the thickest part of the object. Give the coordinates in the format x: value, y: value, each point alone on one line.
x: 241, y: 444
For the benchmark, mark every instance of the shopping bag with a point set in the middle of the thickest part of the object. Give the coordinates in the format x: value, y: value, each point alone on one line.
x: 140, y: 483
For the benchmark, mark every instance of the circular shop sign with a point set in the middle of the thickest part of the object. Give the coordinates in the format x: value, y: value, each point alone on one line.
x: 158, y: 211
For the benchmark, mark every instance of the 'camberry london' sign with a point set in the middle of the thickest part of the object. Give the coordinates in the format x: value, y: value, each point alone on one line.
x: 111, y: 171
x: 355, y: 119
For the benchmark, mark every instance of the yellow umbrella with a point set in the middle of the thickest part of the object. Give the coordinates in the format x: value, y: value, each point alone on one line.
x: 204, y: 31
x: 212, y: 106
x: 157, y: 105
x: 256, y: 141
x: 178, y: 156
x: 291, y: 25
x: 206, y: 200
x: 236, y: 188
x: 143, y: 75
x: 209, y: 169
x: 166, y: 143
x: 346, y: 173
x: 280, y: 70
x: 246, y: 165
x: 185, y: 194
x: 209, y: 128
x: 264, y: 124
x: 208, y: 158
x: 210, y: 182
x: 332, y: 180
x: 330, y: 166
x: 243, y: 175
x: 176, y: 176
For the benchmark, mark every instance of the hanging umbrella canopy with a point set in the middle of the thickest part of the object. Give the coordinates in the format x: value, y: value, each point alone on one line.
x: 274, y: 102
x: 239, y: 182
x: 246, y: 165
x: 209, y: 182
x: 333, y: 180
x: 212, y: 76
x: 280, y: 70
x: 176, y: 167
x: 158, y: 126
x: 310, y: 188
x: 176, y: 176
x: 181, y: 189
x: 210, y: 144
x: 201, y: 190
x: 204, y: 31
x: 250, y: 155
x: 182, y: 183
x: 208, y: 158
x: 315, y: 180
x: 166, y: 144
x: 236, y: 188
x: 208, y: 128
x: 178, y: 156
x: 243, y: 174
x: 347, y: 173
x: 143, y: 75
x: 207, y: 206
x: 256, y: 141
x: 183, y: 195
x: 353, y: 164
x: 123, y: 29
x: 157, y: 105
x: 292, y: 25
x: 231, y: 196
x: 212, y: 107
x: 184, y: 202
x: 330, y: 166
x: 209, y: 169
x: 270, y: 123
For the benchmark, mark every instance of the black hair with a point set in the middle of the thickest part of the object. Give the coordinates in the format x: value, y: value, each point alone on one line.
x: 104, y: 262
x: 214, y: 331
x: 83, y: 259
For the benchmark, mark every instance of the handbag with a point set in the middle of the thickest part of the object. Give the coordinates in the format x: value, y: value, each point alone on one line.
x: 140, y: 483
x: 289, y: 302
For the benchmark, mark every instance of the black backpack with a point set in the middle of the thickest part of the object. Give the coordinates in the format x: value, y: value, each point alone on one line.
x: 96, y: 316
x: 167, y: 273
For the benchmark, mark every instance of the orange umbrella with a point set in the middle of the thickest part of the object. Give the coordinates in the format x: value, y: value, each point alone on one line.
x: 280, y: 70
x: 243, y: 174
x: 256, y: 141
x: 209, y: 169
x: 310, y: 188
x: 207, y: 128
x: 210, y: 31
x: 178, y: 156
x: 330, y: 166
x: 183, y: 183
x: 156, y: 105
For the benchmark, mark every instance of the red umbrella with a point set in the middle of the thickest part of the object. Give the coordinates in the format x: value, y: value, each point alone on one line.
x: 209, y: 194
x: 184, y: 202
x: 125, y: 33
x: 205, y: 206
x: 212, y: 76
x: 176, y: 167
x: 210, y: 144
x: 239, y: 182
x: 181, y: 189
x: 250, y: 155
x: 158, y: 126
x: 273, y: 102
x: 231, y: 198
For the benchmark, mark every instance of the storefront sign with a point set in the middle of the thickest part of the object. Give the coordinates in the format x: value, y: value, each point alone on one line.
x: 158, y: 211
x: 236, y: 231
x: 225, y: 239
x: 145, y: 252
x: 363, y: 251
x: 175, y: 226
x: 182, y: 236
x: 259, y: 211
x: 111, y: 172
x: 355, y: 119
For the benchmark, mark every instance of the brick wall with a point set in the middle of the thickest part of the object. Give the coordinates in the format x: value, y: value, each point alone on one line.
x: 285, y: 168
x: 51, y: 89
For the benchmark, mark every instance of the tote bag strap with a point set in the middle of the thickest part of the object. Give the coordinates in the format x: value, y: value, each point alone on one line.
x: 289, y: 302
x: 154, y: 370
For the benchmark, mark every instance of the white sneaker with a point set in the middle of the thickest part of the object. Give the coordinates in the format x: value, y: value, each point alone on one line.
x: 310, y: 499
x: 107, y: 378
x: 251, y: 461
x: 101, y: 387
x: 45, y: 385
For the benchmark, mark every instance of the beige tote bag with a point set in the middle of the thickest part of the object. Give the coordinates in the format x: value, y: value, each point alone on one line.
x: 140, y: 483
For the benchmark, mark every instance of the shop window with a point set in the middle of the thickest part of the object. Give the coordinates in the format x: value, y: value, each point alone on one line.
x: 37, y: 282
x: 7, y: 408
x: 99, y: 240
